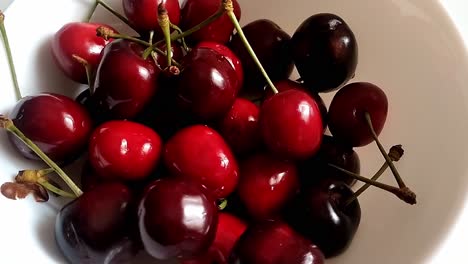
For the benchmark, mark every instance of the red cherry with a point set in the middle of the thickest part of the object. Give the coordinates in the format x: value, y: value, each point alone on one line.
x: 196, y: 11
x: 80, y: 39
x: 124, y: 150
x: 200, y: 154
x: 266, y: 184
x: 143, y: 14
x: 228, y: 54
x: 177, y: 54
x: 239, y: 127
x: 57, y: 124
x: 125, y: 82
x: 291, y: 125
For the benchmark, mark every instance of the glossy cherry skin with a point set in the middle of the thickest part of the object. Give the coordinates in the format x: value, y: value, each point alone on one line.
x: 228, y: 54
x: 59, y: 126
x: 198, y: 153
x: 124, y: 150
x: 80, y: 39
x: 331, y: 152
x: 291, y: 125
x: 271, y: 45
x: 177, y: 218
x: 319, y: 213
x: 347, y: 110
x: 274, y: 242
x: 125, y: 82
x: 93, y: 227
x: 325, y: 52
x: 196, y: 11
x: 208, y: 85
x: 143, y: 14
x: 239, y: 127
x: 266, y: 184
x: 229, y: 230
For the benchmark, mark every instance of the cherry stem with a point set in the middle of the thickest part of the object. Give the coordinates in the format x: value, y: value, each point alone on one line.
x: 7, y: 124
x: 107, y: 33
x: 164, y: 23
x: 398, y: 178
x: 91, y: 12
x: 89, y: 72
x: 115, y: 13
x: 229, y: 8
x: 404, y: 194
x: 222, y: 204
x: 395, y: 153
x: 39, y: 177
x: 151, y: 36
x: 55, y: 190
x: 182, y: 40
x: 11, y: 64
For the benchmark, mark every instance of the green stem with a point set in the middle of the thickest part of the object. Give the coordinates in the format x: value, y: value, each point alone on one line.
x: 182, y: 40
x: 56, y: 190
x: 151, y: 36
x: 395, y: 172
x: 91, y: 12
x: 11, y: 64
x: 9, y: 126
x: 230, y: 12
x: 89, y: 72
x: 115, y: 13
x: 163, y: 21
x: 222, y: 204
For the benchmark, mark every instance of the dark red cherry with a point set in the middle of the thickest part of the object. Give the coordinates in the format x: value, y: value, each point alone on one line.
x: 59, y: 126
x: 125, y: 82
x: 80, y: 39
x: 228, y: 54
x: 229, y: 230
x: 177, y: 54
x: 143, y: 14
x: 284, y: 85
x: 325, y: 52
x: 208, y: 85
x: 198, y: 153
x: 291, y: 125
x: 124, y: 150
x: 274, y: 242
x: 347, y: 111
x: 196, y: 11
x: 93, y: 227
x: 177, y: 218
x: 320, y: 214
x: 239, y: 127
x: 271, y: 45
x: 266, y: 184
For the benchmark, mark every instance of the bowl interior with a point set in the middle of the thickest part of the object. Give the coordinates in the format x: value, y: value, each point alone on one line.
x: 409, y: 48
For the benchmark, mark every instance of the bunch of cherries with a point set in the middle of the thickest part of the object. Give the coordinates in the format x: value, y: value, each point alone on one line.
x: 199, y: 147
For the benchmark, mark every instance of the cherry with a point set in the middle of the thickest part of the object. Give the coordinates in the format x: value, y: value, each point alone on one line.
x: 347, y: 111
x: 208, y: 84
x: 291, y: 125
x: 274, y: 242
x: 93, y: 227
x: 270, y: 43
x: 228, y: 231
x: 331, y: 152
x: 325, y: 52
x: 320, y: 214
x: 228, y: 54
x: 78, y: 38
x: 125, y: 82
x: 57, y: 124
x: 143, y: 14
x: 196, y: 11
x: 177, y: 218
x: 177, y: 54
x: 239, y: 127
x: 200, y: 154
x: 124, y: 150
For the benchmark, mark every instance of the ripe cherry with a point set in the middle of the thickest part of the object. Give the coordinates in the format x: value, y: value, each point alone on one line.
x: 57, y: 124
x: 198, y: 153
x: 196, y: 11
x: 347, y: 111
x: 177, y: 218
x: 239, y: 127
x: 325, y: 52
x: 124, y: 150
x: 143, y: 14
x: 291, y: 125
x: 78, y: 38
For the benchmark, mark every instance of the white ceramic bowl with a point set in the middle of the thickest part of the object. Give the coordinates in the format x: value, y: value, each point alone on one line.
x: 408, y: 47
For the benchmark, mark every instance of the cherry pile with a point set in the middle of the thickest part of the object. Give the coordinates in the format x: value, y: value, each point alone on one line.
x: 198, y: 146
